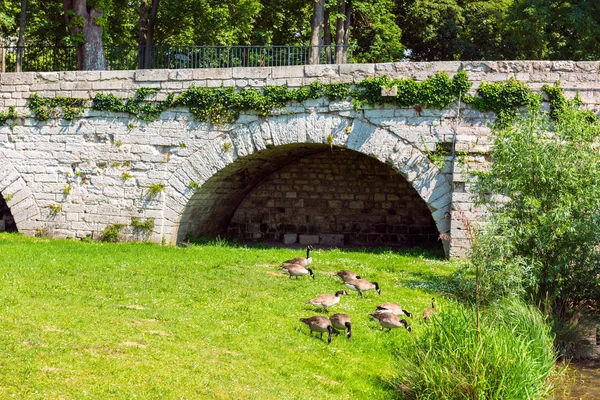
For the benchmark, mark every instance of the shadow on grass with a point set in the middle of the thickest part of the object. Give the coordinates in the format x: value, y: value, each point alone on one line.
x: 429, y: 281
x: 434, y: 251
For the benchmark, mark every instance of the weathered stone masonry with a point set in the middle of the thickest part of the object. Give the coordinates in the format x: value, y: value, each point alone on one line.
x: 73, y: 179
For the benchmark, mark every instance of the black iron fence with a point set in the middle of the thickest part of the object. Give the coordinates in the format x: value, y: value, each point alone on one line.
x: 38, y: 58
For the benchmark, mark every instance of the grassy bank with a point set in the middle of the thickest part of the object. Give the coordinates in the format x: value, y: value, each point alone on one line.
x: 144, y: 321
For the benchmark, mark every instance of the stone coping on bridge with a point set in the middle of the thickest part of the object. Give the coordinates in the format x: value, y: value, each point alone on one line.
x: 14, y: 87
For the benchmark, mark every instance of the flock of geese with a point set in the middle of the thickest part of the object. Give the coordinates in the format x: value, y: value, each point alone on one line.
x: 387, y: 314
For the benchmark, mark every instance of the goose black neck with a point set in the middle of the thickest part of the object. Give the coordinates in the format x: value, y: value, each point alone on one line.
x: 349, y: 334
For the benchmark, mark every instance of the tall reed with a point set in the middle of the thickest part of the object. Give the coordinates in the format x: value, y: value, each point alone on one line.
x: 511, y: 359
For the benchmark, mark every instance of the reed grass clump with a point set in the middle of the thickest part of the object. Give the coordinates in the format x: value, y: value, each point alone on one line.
x: 510, y: 357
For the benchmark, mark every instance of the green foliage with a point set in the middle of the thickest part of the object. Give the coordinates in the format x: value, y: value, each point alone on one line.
x: 112, y: 233
x: 67, y: 190
x: 155, y: 190
x: 510, y: 357
x: 8, y: 196
x: 10, y: 114
x: 147, y: 225
x: 138, y: 106
x: 55, y: 208
x: 194, y: 185
x: 545, y: 185
x: 126, y: 175
x: 44, y: 108
x: 504, y: 99
x: 438, y: 156
x: 438, y: 91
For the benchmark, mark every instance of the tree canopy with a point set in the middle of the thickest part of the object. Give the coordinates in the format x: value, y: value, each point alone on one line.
x: 379, y: 30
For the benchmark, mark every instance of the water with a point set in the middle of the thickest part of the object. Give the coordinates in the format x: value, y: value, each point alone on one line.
x: 582, y: 382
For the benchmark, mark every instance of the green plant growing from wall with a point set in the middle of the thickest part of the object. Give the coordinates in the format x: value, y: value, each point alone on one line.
x: 44, y: 108
x: 10, y: 114
x: 155, y: 190
x: 67, y: 190
x: 226, y: 147
x: 112, y: 233
x: 194, y: 185
x: 330, y: 142
x: 147, y: 225
x: 55, y: 209
x: 8, y: 197
x: 126, y: 175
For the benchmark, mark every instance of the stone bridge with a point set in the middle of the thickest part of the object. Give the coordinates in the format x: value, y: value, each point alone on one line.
x: 317, y: 172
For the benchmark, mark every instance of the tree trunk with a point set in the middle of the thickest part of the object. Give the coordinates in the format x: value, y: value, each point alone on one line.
x: 147, y: 24
x: 347, y: 25
x: 21, y: 41
x: 90, y: 53
x: 143, y: 35
x: 327, y: 36
x: 316, y: 41
x: 339, y: 33
x: 150, y: 37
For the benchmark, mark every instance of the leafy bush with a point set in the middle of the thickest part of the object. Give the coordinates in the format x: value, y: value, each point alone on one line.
x: 112, y: 233
x: 545, y: 185
x: 509, y: 358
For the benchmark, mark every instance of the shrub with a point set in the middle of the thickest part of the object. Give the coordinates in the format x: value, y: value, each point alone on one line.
x: 545, y: 175
x: 510, y: 357
x: 112, y: 233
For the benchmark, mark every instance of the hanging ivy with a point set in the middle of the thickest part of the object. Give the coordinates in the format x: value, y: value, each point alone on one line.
x: 225, y: 104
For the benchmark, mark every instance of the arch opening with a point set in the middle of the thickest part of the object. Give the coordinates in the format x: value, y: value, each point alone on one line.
x: 7, y: 222
x: 310, y: 193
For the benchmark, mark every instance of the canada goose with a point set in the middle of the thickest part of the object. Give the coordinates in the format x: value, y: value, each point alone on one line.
x: 347, y: 276
x: 393, y: 308
x: 429, y: 312
x: 341, y: 322
x: 297, y: 270
x: 362, y: 285
x: 327, y: 300
x: 319, y: 324
x: 390, y: 321
x: 305, y: 262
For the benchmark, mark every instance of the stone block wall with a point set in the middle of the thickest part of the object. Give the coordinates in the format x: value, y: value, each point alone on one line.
x: 338, y: 194
x: 73, y: 178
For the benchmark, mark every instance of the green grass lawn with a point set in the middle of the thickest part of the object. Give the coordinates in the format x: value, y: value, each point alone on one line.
x: 96, y: 320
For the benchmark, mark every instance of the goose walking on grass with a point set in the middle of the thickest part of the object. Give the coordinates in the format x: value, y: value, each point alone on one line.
x: 431, y: 311
x: 297, y: 270
x: 327, y: 300
x: 341, y: 322
x: 391, y: 321
x: 347, y: 276
x: 393, y: 308
x: 305, y: 262
x: 362, y: 285
x: 319, y: 324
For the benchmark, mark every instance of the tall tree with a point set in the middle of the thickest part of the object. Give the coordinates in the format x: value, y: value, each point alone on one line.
x: 21, y: 41
x: 83, y: 23
x: 147, y: 24
x: 316, y: 39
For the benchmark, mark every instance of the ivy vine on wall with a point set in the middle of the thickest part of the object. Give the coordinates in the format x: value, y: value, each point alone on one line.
x: 225, y: 104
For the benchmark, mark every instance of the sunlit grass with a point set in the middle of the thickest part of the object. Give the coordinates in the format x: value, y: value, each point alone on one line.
x: 129, y: 321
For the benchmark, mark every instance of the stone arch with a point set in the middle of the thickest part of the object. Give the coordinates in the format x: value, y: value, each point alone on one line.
x: 261, y: 147
x: 21, y: 202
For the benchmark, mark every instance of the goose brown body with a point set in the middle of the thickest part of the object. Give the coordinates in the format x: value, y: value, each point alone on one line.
x: 319, y: 324
x: 327, y: 300
x: 297, y: 270
x: 303, y: 261
x: 431, y: 311
x: 362, y: 285
x: 347, y: 276
x: 393, y: 308
x: 341, y: 322
x: 391, y: 321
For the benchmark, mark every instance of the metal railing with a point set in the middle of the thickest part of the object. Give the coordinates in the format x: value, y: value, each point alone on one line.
x: 39, y: 58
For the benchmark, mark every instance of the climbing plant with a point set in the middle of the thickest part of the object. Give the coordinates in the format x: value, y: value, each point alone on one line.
x: 225, y: 104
